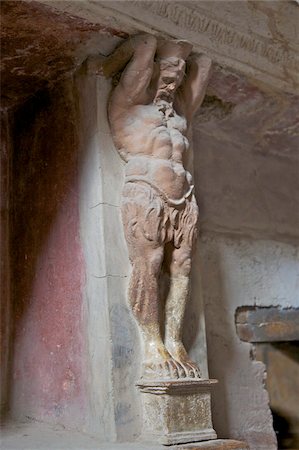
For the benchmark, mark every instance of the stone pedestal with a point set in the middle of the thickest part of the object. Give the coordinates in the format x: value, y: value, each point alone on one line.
x: 177, y: 411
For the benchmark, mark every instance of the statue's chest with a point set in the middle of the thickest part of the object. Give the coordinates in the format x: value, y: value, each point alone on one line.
x: 151, y: 116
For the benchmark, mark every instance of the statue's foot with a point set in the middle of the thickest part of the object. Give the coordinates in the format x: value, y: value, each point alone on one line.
x: 179, y: 354
x: 161, y: 365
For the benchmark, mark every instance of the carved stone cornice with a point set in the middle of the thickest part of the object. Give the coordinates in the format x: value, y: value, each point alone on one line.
x: 255, y: 38
x: 272, y: 59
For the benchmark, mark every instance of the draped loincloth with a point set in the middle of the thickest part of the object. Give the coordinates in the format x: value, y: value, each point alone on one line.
x: 148, y: 213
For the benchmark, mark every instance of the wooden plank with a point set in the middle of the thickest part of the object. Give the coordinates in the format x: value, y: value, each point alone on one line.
x: 261, y: 324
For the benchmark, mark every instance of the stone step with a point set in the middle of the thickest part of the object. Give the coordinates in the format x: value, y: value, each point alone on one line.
x: 216, y: 444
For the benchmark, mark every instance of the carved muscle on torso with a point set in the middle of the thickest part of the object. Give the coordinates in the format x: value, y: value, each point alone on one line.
x: 151, y: 138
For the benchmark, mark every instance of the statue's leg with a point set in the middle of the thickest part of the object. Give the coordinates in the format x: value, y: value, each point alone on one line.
x: 144, y: 300
x: 141, y: 211
x: 177, y: 299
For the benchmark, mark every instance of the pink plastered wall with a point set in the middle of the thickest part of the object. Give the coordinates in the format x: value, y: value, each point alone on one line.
x: 47, y: 376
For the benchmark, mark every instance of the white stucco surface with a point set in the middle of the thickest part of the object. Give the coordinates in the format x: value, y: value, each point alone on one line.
x: 96, y: 306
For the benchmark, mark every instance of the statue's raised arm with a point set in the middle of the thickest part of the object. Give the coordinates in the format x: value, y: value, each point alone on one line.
x: 136, y: 76
x: 193, y: 88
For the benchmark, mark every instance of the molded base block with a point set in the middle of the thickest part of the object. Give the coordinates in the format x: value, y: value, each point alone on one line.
x: 177, y: 411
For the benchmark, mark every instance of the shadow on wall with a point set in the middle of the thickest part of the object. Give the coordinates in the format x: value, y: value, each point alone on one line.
x: 45, y: 361
x: 282, y: 427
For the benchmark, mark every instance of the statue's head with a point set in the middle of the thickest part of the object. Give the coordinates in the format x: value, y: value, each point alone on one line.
x: 171, y: 56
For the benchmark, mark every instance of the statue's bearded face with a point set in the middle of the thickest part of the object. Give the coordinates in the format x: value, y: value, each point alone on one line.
x: 172, y: 71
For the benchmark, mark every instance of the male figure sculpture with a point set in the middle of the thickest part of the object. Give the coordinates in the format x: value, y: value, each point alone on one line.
x: 150, y: 110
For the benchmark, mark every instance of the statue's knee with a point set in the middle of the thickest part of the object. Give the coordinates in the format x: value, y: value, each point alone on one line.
x: 186, y: 266
x: 182, y: 264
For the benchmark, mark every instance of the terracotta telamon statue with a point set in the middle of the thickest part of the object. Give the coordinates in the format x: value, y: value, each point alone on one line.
x: 150, y: 110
